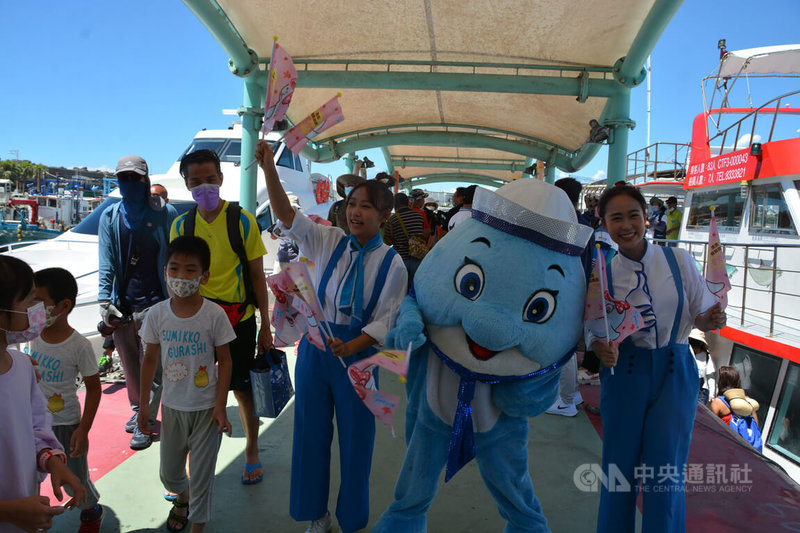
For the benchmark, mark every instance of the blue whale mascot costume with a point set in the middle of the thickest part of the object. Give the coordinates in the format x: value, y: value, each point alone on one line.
x: 495, y: 313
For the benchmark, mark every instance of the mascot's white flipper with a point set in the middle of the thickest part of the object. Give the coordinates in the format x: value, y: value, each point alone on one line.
x: 500, y: 302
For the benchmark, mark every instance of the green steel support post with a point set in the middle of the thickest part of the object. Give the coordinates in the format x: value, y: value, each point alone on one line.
x: 350, y: 162
x: 619, y: 123
x: 387, y: 156
x: 550, y: 168
x: 252, y: 114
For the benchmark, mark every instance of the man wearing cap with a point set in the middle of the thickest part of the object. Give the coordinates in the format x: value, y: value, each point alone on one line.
x: 417, y: 201
x: 132, y: 241
x: 674, y: 217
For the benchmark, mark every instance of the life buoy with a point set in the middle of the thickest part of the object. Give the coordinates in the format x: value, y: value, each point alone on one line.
x: 322, y: 191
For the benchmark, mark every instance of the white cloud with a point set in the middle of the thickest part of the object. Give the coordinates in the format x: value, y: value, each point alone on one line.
x: 600, y: 174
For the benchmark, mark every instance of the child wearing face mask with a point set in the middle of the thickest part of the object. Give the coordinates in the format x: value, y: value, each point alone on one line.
x: 63, y: 354
x: 189, y: 332
x: 28, y: 448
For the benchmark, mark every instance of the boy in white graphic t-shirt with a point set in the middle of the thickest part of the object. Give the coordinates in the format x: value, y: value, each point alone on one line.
x: 64, y: 354
x: 188, y: 331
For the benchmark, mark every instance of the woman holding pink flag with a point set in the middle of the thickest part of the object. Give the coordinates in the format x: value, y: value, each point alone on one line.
x: 360, y: 284
x: 648, y: 405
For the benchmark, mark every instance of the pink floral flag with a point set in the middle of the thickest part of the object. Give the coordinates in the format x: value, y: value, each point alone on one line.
x: 282, y: 78
x: 320, y: 120
x: 716, y: 272
x: 381, y: 405
x: 604, y: 316
x: 296, y: 310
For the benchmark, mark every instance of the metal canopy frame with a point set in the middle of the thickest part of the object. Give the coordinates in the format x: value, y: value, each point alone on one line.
x: 612, y: 82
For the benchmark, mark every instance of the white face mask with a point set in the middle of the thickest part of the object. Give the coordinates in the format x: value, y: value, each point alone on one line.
x: 49, y: 317
x: 183, y: 288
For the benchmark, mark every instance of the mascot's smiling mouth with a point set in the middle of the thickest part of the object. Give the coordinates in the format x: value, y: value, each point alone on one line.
x: 484, y: 354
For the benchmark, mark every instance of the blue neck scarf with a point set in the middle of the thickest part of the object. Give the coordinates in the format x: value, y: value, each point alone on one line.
x: 462, y: 439
x: 351, y: 299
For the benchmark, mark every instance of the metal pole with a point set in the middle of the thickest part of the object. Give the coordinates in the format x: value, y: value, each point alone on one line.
x: 744, y: 283
x: 251, y: 113
x: 774, y: 291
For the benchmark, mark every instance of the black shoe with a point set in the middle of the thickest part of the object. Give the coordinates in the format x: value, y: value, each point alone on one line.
x: 140, y: 441
x: 130, y: 425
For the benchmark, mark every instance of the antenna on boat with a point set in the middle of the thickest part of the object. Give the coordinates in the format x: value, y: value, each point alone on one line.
x: 648, y: 103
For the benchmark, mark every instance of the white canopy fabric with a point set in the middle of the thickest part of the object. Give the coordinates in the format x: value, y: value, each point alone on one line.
x: 570, y: 33
x: 784, y: 59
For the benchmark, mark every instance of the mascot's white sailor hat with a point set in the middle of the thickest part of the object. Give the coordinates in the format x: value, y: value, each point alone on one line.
x: 535, y: 211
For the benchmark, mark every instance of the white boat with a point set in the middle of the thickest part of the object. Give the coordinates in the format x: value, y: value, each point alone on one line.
x: 76, y: 249
x: 746, y: 163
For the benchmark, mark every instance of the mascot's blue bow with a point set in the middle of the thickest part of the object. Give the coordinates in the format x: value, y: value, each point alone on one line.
x: 462, y: 440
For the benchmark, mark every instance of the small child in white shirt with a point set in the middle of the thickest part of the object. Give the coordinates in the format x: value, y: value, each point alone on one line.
x: 188, y: 331
x: 63, y: 354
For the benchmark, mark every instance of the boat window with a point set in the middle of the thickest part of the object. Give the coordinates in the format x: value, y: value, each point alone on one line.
x: 285, y: 160
x: 204, y: 144
x: 232, y: 153
x: 759, y: 374
x: 729, y: 207
x: 264, y: 219
x: 297, y: 164
x: 784, y: 436
x: 769, y: 212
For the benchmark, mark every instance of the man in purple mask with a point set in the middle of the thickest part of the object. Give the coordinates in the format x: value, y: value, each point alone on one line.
x: 132, y: 241
x: 237, y: 281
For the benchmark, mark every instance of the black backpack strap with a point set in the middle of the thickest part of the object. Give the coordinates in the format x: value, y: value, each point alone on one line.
x: 189, y: 221
x: 237, y: 244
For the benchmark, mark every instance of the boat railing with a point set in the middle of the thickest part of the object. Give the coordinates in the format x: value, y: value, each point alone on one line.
x: 8, y: 246
x: 659, y: 161
x: 741, y: 125
x: 765, y: 283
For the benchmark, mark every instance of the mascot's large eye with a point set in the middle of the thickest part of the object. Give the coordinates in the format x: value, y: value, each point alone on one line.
x: 469, y: 280
x: 540, y: 306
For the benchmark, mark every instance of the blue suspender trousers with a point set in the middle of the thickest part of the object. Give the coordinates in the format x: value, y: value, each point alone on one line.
x: 322, y: 387
x: 648, y: 409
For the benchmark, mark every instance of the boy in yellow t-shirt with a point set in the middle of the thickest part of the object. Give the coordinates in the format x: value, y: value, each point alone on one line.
x: 239, y: 287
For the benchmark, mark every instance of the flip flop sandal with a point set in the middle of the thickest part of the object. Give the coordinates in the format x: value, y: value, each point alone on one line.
x: 176, y: 517
x: 250, y: 468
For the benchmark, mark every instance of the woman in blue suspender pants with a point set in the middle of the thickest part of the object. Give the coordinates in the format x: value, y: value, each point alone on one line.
x: 361, y: 283
x: 648, y: 404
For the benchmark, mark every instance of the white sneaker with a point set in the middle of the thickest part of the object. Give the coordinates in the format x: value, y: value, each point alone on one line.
x: 577, y: 399
x: 563, y: 409
x: 321, y: 525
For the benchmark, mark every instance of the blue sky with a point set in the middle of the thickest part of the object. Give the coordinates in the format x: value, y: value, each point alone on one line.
x: 85, y: 82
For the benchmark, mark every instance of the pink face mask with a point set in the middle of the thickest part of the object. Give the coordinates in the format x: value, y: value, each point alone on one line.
x: 206, y: 196
x: 36, y: 322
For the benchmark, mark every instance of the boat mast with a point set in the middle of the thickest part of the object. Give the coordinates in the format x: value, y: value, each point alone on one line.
x: 648, y: 102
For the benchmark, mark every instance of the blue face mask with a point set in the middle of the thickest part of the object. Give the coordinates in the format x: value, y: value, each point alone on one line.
x: 134, y: 202
x: 133, y: 192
